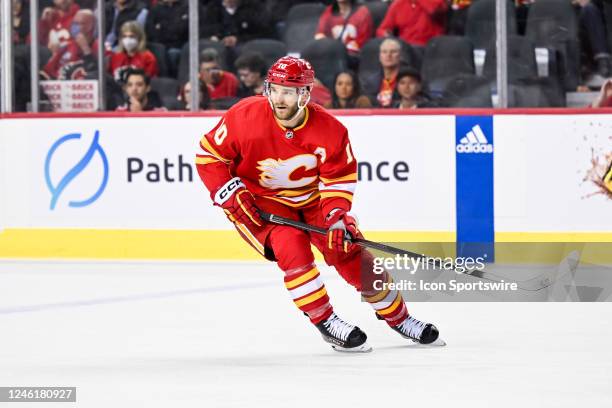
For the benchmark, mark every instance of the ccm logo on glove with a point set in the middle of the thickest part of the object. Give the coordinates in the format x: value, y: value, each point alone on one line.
x: 238, y: 203
x: 226, y: 191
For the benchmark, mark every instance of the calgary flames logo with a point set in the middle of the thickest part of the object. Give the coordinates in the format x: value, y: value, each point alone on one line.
x: 277, y: 173
x: 600, y: 174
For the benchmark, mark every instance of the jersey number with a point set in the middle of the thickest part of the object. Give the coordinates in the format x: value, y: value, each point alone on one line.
x: 220, y: 133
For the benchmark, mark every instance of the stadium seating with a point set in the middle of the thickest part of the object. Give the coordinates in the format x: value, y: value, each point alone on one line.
x: 159, y: 50
x: 183, y: 69
x: 377, y: 9
x: 521, y: 60
x: 328, y: 57
x: 536, y: 93
x: 445, y: 58
x: 553, y: 24
x: 480, y: 24
x: 167, y: 89
x: 302, y: 22
x: 271, y: 50
x: 467, y: 91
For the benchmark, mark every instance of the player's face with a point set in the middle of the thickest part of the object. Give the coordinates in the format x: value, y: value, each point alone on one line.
x: 344, y: 86
x: 408, y: 87
x: 284, y: 101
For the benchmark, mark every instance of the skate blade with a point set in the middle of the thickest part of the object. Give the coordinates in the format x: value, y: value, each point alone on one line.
x: 364, y: 348
x: 438, y: 343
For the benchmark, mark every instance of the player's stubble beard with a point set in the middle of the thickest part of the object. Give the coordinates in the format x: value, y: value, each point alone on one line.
x: 285, y: 114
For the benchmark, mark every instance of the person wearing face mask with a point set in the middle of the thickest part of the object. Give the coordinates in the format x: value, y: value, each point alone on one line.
x: 78, y: 59
x: 118, y: 12
x: 132, y: 53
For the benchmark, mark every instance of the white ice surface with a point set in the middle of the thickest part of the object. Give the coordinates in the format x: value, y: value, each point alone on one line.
x: 227, y: 335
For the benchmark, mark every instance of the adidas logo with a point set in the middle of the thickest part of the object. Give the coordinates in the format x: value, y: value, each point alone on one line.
x: 474, y: 141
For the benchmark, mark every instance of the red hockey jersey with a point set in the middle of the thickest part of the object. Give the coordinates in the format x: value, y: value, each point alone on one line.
x: 296, y: 167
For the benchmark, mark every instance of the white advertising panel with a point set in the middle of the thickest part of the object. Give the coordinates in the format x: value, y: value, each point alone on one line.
x: 548, y: 173
x: 138, y: 173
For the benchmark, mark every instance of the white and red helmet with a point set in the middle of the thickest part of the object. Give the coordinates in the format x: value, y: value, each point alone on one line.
x: 291, y: 71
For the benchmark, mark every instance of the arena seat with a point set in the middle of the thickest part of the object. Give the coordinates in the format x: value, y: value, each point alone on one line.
x: 446, y: 57
x: 271, y: 50
x: 328, y: 57
x: 301, y: 25
x: 553, y: 24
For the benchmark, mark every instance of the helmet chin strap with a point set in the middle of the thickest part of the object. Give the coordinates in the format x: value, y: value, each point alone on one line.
x: 300, y: 105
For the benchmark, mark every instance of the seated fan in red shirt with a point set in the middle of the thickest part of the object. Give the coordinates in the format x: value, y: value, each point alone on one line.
x: 220, y: 83
x: 350, y: 23
x: 132, y: 53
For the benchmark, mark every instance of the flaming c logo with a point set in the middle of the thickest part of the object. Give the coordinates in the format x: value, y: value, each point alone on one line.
x: 278, y: 173
x: 607, y: 178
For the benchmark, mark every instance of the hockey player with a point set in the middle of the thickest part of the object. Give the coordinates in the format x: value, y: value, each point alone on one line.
x: 282, y: 155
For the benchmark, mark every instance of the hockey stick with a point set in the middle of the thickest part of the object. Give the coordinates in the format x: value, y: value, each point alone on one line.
x: 534, y: 284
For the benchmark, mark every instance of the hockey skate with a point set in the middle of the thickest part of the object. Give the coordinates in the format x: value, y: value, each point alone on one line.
x: 425, y: 334
x: 343, y: 336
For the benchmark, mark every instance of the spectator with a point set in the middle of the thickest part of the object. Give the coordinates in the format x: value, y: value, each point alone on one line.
x: 593, y: 37
x: 78, y: 59
x: 234, y: 22
x: 320, y: 94
x: 279, y: 9
x: 409, y: 90
x: 185, y: 96
x: 604, y: 99
x: 54, y: 27
x: 350, y: 23
x: 168, y: 24
x: 347, y: 94
x: 221, y: 84
x: 117, y: 13
x: 138, y: 95
x: 379, y: 86
x: 132, y: 53
x: 21, y: 21
x: 416, y: 21
x: 251, y: 72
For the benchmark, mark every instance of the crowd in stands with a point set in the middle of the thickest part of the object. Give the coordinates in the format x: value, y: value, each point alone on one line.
x: 365, y: 53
